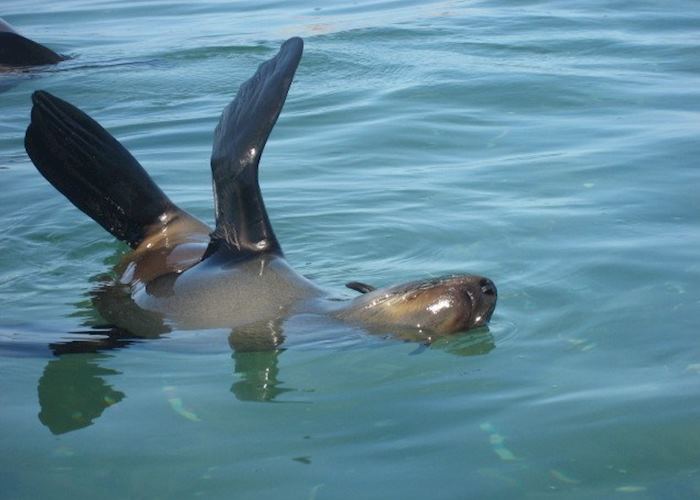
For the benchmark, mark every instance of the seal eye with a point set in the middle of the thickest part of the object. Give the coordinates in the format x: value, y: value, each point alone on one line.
x: 487, y: 286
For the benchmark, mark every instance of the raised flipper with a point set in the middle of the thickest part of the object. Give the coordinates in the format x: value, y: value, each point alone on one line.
x: 94, y: 171
x: 17, y: 51
x: 242, y: 225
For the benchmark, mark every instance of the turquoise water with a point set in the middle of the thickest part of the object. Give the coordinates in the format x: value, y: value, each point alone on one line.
x: 551, y: 146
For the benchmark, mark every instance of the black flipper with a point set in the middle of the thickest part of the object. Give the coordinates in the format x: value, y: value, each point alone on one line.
x: 18, y: 51
x: 242, y: 225
x: 93, y: 170
x: 360, y: 287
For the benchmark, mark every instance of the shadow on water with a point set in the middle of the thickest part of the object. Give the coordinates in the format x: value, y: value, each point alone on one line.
x: 73, y: 390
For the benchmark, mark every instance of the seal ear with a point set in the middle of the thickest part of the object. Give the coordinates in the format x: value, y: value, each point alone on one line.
x: 360, y: 287
x: 242, y: 225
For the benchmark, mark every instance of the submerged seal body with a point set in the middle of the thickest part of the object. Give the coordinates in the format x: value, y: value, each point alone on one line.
x: 182, y: 274
x: 17, y: 51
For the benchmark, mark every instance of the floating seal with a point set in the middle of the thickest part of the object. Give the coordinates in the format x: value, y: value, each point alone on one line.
x: 183, y: 275
x: 17, y: 51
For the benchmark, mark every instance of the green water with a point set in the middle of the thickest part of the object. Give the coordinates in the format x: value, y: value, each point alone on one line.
x: 551, y: 146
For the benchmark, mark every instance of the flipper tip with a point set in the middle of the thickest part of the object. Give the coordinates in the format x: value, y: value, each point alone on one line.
x: 295, y: 41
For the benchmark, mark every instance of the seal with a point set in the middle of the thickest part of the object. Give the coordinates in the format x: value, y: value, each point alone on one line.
x: 17, y: 51
x: 181, y: 274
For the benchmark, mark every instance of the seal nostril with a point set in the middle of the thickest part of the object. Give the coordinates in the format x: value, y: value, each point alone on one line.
x: 487, y: 287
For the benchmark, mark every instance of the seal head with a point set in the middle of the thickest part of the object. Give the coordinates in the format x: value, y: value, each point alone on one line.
x: 443, y: 305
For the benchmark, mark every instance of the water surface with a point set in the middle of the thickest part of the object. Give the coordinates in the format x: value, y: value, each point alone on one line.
x: 549, y: 145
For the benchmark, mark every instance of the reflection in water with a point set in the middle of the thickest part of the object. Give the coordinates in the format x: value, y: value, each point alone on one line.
x: 255, y: 352
x: 257, y: 372
x: 73, y: 391
x: 474, y: 343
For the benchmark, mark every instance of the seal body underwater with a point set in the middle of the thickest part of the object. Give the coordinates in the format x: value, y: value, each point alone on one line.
x: 17, y: 51
x: 184, y: 275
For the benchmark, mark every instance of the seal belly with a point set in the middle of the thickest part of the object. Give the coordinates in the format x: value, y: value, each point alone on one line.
x: 215, y: 296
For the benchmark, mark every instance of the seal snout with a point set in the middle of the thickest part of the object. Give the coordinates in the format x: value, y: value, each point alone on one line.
x: 483, y: 295
x: 488, y: 287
